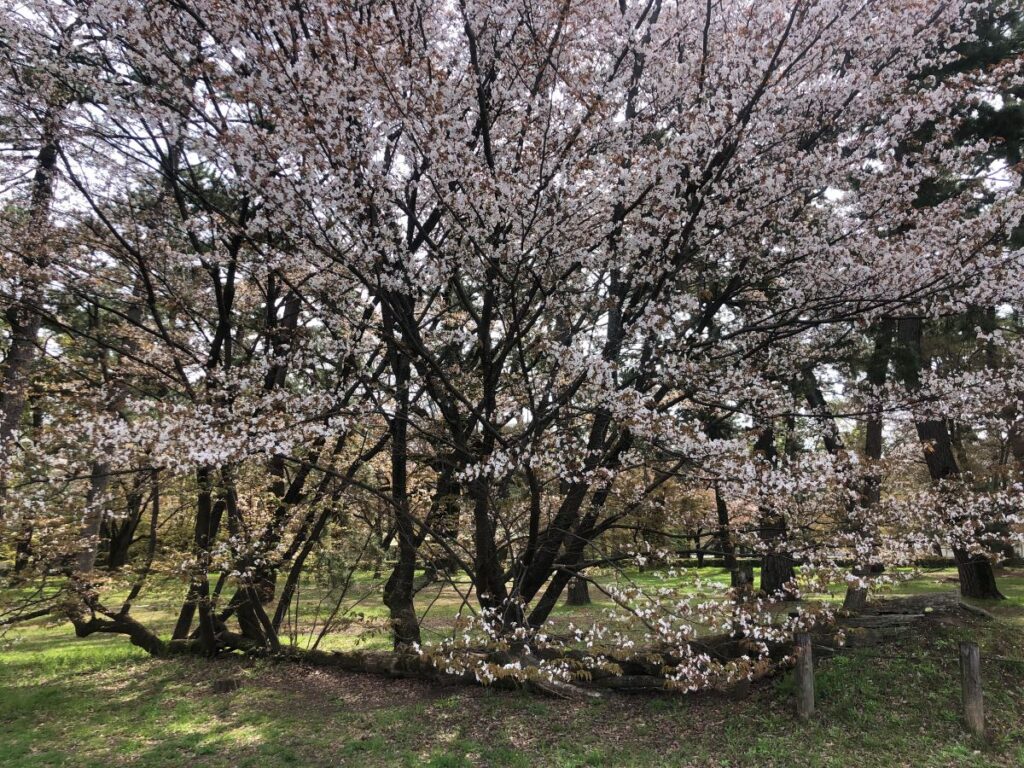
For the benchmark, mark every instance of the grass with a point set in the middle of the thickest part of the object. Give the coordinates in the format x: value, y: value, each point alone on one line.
x: 99, y: 702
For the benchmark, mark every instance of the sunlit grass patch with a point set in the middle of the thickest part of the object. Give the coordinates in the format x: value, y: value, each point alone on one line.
x: 99, y: 702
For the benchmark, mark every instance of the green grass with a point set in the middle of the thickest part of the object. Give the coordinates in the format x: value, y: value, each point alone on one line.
x: 99, y: 702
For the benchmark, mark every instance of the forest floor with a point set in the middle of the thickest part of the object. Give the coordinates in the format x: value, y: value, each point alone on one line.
x: 99, y: 702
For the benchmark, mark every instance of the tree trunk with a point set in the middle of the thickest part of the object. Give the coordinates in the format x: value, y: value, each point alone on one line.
x: 742, y: 577
x: 871, y: 493
x: 777, y: 567
x: 977, y: 578
x: 579, y: 592
x: 22, y: 315
x: 399, y: 590
x: 208, y: 515
x: 89, y: 535
x: 725, y: 541
x: 491, y: 589
x: 856, y: 596
x: 120, y: 535
x: 312, y: 529
x: 17, y: 369
x: 573, y: 557
x: 444, y: 525
x: 291, y: 583
x: 23, y: 550
x: 119, y: 542
x: 777, y: 571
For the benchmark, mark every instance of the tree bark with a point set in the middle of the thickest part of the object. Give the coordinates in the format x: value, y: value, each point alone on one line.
x: 579, y: 592
x: 777, y: 567
x: 777, y: 570
x: 208, y: 515
x: 291, y: 583
x: 724, y: 532
x: 399, y: 590
x: 23, y: 551
x: 977, y: 578
x: 89, y: 537
x: 23, y: 316
x: 118, y: 536
x: 444, y: 524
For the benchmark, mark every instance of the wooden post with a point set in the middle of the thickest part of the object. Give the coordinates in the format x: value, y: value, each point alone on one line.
x: 970, y: 679
x: 804, y: 677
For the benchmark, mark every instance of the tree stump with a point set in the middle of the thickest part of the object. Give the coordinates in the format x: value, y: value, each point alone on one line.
x: 226, y: 685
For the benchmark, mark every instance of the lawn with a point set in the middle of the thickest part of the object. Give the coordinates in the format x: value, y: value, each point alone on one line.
x: 99, y: 702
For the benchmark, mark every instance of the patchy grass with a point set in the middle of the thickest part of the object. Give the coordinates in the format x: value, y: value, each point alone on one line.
x: 100, y: 702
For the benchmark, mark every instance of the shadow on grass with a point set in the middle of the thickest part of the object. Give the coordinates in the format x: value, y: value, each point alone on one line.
x: 99, y: 702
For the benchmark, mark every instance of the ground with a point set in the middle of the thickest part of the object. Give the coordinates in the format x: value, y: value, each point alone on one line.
x: 98, y: 702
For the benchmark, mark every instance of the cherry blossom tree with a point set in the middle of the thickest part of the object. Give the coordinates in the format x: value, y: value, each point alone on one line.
x: 541, y: 265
